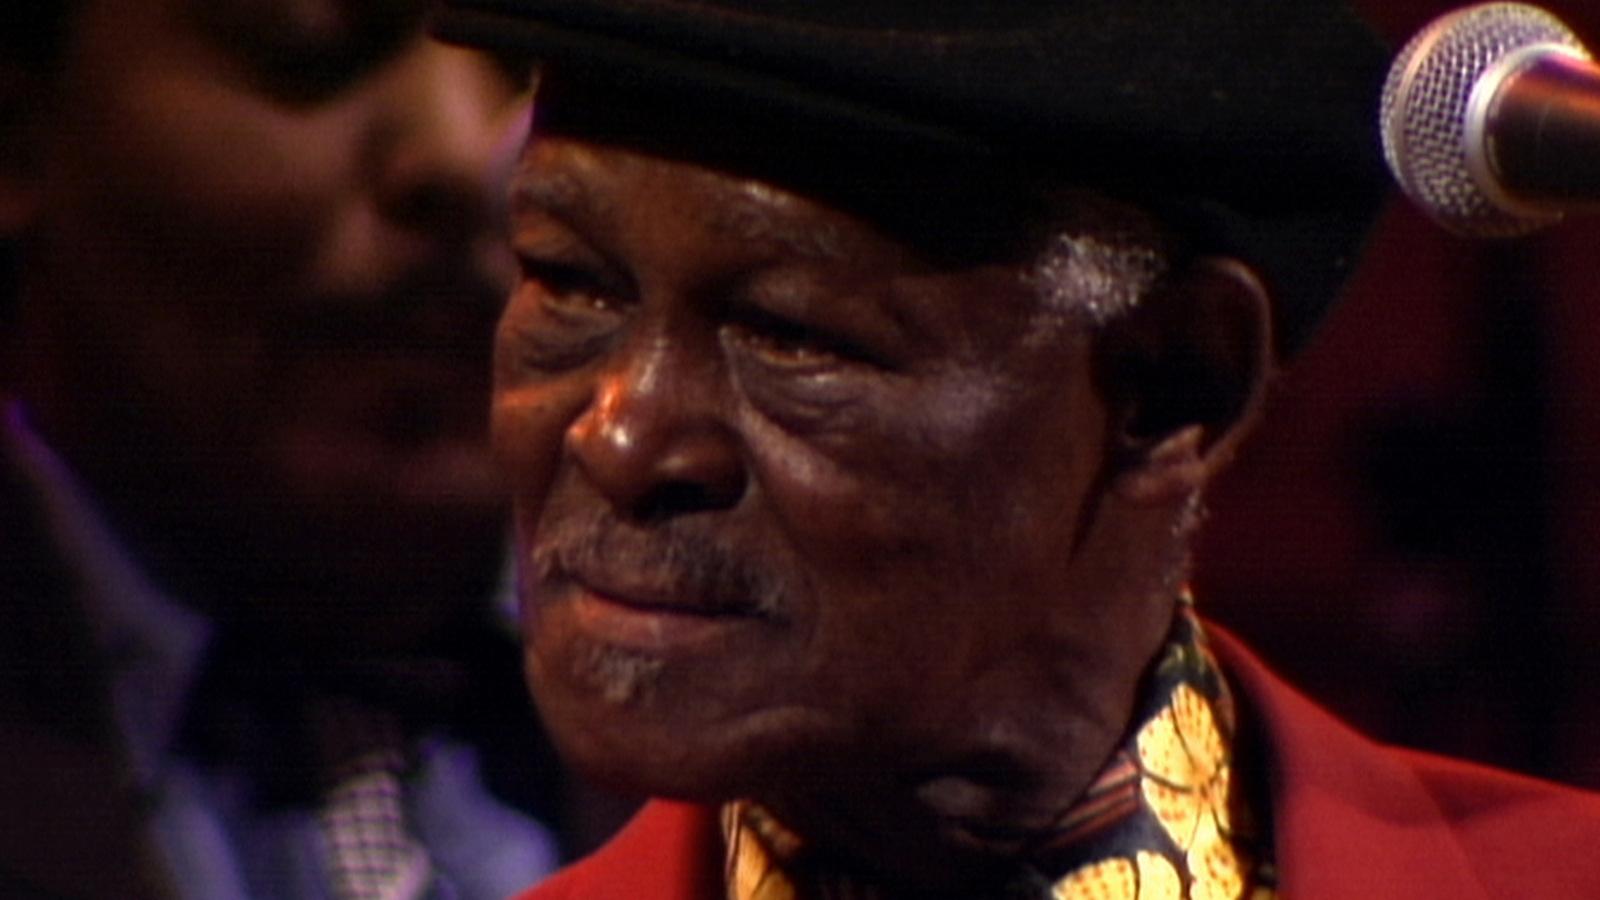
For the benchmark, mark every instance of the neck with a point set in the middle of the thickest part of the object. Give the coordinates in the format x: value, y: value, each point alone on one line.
x: 1163, y: 796
x: 968, y: 820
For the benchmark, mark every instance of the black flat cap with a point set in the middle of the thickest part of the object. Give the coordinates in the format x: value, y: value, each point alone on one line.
x: 1249, y: 123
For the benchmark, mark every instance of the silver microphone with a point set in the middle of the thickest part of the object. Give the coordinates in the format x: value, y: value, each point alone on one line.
x: 1491, y: 120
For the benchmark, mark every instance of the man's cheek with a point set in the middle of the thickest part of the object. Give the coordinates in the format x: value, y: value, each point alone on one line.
x: 819, y: 504
x: 525, y: 431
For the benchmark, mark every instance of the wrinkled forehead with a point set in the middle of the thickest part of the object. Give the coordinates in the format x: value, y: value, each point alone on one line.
x: 1246, y: 123
x: 1090, y: 258
x: 576, y: 181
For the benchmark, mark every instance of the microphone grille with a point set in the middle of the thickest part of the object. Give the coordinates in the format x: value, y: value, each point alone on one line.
x: 1424, y: 110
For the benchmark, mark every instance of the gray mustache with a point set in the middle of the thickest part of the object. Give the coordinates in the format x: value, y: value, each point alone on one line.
x: 670, y: 560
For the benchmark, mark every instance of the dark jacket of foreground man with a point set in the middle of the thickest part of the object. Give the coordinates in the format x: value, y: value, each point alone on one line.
x: 1351, y: 818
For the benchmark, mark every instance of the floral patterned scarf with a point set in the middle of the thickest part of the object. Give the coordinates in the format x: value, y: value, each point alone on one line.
x: 1167, y: 819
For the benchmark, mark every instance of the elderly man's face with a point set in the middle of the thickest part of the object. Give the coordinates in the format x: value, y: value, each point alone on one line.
x: 793, y: 501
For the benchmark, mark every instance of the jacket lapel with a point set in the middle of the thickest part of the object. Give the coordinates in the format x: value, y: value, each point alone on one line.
x: 1349, y: 819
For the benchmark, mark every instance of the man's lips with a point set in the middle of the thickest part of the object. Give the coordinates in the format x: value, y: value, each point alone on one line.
x: 645, y: 616
x: 663, y: 594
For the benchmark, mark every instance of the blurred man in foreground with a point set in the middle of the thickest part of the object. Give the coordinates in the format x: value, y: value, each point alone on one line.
x: 249, y: 528
x: 866, y: 370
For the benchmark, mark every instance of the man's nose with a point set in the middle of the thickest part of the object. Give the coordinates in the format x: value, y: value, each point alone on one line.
x: 443, y: 149
x: 653, y: 439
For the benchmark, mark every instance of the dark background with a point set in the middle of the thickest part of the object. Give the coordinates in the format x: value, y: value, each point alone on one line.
x: 1413, y: 535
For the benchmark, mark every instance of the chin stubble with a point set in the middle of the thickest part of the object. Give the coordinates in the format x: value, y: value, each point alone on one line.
x: 620, y: 677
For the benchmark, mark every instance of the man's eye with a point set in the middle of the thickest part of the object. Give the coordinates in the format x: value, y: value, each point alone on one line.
x: 560, y: 315
x: 569, y: 286
x: 787, y: 345
x: 787, y: 342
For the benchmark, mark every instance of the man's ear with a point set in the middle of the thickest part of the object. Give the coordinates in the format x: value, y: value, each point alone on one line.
x: 1184, y: 374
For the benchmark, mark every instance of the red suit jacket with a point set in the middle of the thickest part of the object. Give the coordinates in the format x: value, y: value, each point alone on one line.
x: 1351, y: 819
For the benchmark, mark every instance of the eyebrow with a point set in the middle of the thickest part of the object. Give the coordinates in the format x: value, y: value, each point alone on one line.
x: 558, y: 193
